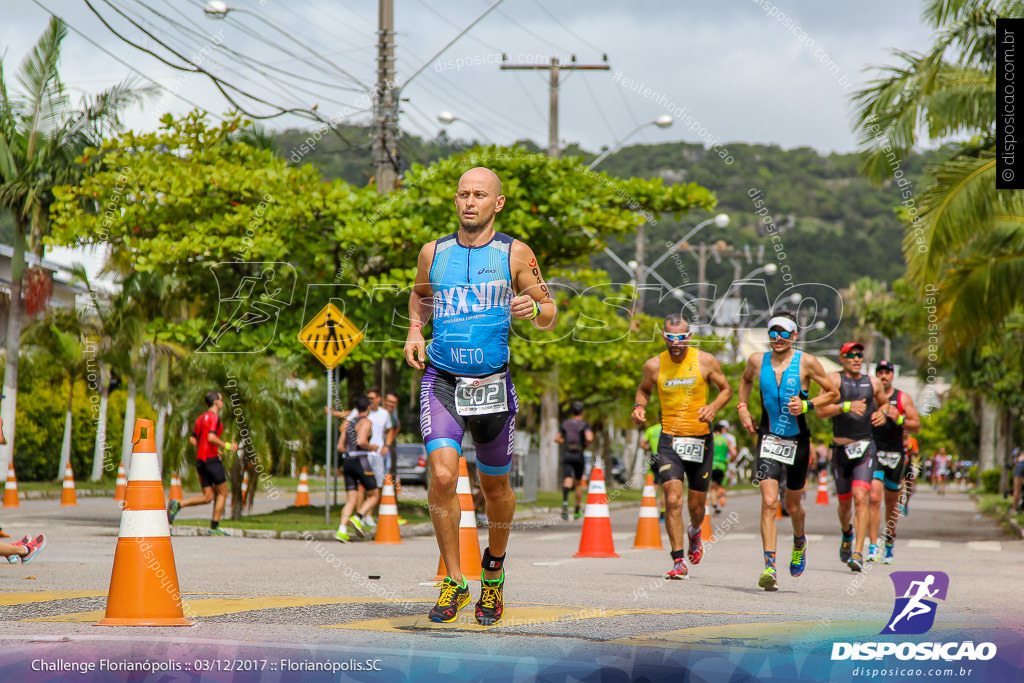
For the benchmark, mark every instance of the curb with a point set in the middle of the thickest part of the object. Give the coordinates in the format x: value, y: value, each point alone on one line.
x: 1003, y: 517
x: 46, y: 494
x: 408, y: 531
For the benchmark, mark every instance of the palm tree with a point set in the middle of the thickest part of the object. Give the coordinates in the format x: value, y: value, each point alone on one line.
x: 963, y: 226
x: 965, y: 241
x: 59, y: 334
x: 115, y: 330
x: 261, y: 412
x: 41, y: 136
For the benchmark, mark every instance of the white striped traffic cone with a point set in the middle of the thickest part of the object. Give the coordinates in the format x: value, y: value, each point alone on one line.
x: 302, y: 493
x: 175, y: 493
x: 67, y: 494
x: 144, y: 582
x: 11, y: 488
x: 596, y: 539
x: 387, y: 518
x: 648, y: 529
x: 122, y: 483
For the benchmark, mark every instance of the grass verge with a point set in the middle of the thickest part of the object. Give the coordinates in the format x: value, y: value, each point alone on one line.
x: 996, y: 506
x: 301, y: 519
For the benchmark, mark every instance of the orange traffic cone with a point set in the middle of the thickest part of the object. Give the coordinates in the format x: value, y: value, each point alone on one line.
x: 648, y: 530
x: 144, y: 582
x: 302, y: 495
x: 176, y: 488
x: 469, y: 543
x: 706, y: 534
x: 11, y: 488
x: 596, y: 539
x: 122, y: 482
x: 67, y: 495
x: 245, y: 486
x: 822, y: 489
x: 387, y: 516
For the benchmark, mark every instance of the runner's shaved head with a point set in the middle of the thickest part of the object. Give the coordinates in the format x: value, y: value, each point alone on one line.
x: 480, y: 174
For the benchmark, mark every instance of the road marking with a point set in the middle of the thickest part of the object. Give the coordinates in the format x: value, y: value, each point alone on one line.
x: 923, y: 543
x: 737, y: 536
x: 46, y: 596
x: 213, y: 607
x: 514, y: 616
x: 552, y: 537
x: 989, y: 546
x: 623, y: 536
x: 815, y: 538
x: 551, y: 564
x: 773, y: 635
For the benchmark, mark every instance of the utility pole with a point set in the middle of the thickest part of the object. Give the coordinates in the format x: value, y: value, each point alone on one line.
x: 385, y: 144
x: 555, y: 67
x: 549, y: 397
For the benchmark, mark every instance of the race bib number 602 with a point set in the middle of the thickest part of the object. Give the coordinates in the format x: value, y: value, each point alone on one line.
x: 688, y: 448
x: 481, y: 395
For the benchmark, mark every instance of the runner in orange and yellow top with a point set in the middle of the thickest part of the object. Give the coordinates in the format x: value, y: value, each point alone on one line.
x: 686, y: 446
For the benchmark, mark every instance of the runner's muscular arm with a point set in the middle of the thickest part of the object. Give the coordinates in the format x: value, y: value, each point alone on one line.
x: 421, y: 305
x: 912, y: 422
x: 363, y: 431
x: 643, y: 392
x: 529, y: 285
x: 712, y: 371
x: 746, y: 388
x: 881, y: 402
x: 830, y: 408
x: 829, y: 394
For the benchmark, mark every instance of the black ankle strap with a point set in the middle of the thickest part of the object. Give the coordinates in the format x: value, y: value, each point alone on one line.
x: 490, y: 562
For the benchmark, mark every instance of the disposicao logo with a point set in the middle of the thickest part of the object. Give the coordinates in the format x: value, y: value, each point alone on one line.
x: 914, y: 614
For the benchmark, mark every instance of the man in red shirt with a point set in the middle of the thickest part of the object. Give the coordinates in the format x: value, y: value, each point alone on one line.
x: 212, y: 477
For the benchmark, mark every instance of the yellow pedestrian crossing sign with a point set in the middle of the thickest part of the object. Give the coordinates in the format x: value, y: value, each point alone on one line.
x: 330, y: 336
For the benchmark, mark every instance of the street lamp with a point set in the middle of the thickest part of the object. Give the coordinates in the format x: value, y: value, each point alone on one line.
x: 447, y: 118
x: 215, y: 9
x: 721, y: 220
x: 663, y: 121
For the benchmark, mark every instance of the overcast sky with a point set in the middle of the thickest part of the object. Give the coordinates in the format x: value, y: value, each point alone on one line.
x: 741, y: 73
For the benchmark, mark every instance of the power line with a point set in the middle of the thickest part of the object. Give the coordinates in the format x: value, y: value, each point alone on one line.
x: 598, y: 107
x: 284, y: 88
x: 219, y: 83
x: 298, y: 42
x: 512, y: 21
x: 246, y: 59
x: 567, y: 29
x: 120, y: 61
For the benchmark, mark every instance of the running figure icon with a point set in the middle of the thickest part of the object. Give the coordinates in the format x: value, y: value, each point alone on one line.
x: 916, y: 606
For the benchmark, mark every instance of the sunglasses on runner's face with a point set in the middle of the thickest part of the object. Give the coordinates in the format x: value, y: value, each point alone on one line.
x: 775, y: 334
x: 677, y: 337
x: 853, y: 354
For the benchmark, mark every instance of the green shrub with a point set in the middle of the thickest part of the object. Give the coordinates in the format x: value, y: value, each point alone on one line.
x: 990, y: 481
x: 42, y: 407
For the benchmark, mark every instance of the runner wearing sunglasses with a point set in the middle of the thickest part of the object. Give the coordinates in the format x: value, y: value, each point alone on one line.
x: 686, y: 447
x: 890, y: 465
x: 853, y: 447
x: 783, y: 441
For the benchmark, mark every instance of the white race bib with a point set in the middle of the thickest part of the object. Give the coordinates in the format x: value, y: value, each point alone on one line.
x: 857, y: 449
x: 778, y: 449
x: 688, y: 448
x: 889, y: 459
x: 481, y: 395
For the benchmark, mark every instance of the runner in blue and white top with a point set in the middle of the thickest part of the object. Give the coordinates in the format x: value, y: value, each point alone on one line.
x: 783, y: 441
x: 473, y: 282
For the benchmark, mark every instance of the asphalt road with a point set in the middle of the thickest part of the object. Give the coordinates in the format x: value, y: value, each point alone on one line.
x: 288, y: 601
